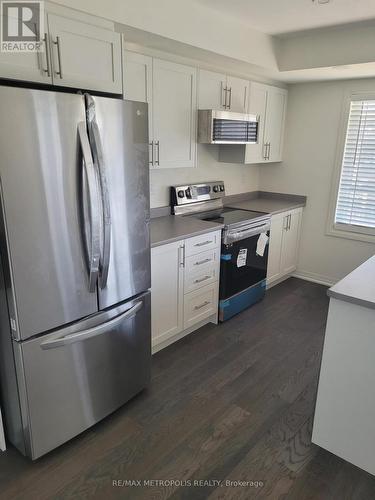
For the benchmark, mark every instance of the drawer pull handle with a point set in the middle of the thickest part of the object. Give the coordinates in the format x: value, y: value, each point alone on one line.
x: 206, y: 303
x: 202, y: 279
x: 200, y: 262
x: 203, y: 243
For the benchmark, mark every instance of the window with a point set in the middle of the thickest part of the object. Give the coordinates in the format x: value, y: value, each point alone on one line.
x: 355, y: 206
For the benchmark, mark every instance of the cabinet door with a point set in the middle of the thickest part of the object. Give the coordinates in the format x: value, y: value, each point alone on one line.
x: 174, y: 114
x: 137, y: 71
x: 238, y: 94
x: 167, y: 273
x: 275, y: 120
x: 137, y: 77
x: 30, y: 66
x: 289, y: 249
x: 274, y: 252
x: 211, y: 90
x: 255, y: 153
x: 85, y: 56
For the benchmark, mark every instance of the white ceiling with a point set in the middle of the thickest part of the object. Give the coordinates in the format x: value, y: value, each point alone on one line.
x: 277, y: 17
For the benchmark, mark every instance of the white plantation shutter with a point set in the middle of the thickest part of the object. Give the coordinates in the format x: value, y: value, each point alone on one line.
x: 356, y: 197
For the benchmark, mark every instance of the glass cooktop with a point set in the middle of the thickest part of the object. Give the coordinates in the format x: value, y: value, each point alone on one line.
x: 229, y: 216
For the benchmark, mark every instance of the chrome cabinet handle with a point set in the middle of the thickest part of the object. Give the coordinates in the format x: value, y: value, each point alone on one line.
x: 223, y: 100
x: 91, y: 332
x: 230, y: 97
x: 200, y: 262
x: 181, y: 256
x: 203, y: 243
x: 265, y: 150
x: 286, y: 225
x: 92, y: 224
x: 57, y: 43
x: 225, y: 97
x: 157, y: 145
x: 46, y: 44
x: 205, y: 278
x: 290, y: 221
x: 151, y: 162
x: 205, y: 303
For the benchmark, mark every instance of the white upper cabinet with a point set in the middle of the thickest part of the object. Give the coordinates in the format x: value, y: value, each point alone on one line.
x: 269, y: 104
x: 212, y: 94
x: 76, y: 54
x: 257, y: 106
x: 219, y: 91
x: 238, y: 90
x: 275, y: 122
x: 174, y: 114
x: 32, y: 66
x: 84, y: 56
x: 137, y: 77
x: 170, y: 89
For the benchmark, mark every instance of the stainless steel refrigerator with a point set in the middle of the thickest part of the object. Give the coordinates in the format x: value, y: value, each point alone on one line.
x: 75, y: 255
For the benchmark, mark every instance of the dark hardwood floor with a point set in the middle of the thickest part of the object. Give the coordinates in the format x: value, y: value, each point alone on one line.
x: 230, y: 402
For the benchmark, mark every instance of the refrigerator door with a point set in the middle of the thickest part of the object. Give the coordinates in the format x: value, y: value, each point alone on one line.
x: 74, y: 377
x: 119, y: 139
x: 41, y: 172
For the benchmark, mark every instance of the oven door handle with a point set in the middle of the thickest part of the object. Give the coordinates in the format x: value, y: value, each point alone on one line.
x: 232, y: 236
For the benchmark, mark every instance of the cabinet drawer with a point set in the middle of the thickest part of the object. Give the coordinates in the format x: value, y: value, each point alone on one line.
x: 202, y: 242
x: 200, y: 304
x: 196, y: 263
x: 207, y: 275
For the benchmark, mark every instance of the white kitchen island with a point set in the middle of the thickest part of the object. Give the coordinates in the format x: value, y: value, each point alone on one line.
x: 344, y: 422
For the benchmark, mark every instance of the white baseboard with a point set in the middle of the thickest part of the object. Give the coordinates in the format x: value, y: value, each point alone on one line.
x: 314, y: 278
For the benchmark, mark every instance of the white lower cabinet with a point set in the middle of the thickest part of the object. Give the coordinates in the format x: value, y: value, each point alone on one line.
x: 283, y: 247
x: 184, y: 287
x: 167, y: 279
x: 200, y: 304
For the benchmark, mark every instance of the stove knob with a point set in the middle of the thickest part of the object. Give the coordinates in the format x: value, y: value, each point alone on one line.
x: 181, y: 194
x: 216, y: 189
x: 188, y: 193
x: 221, y: 188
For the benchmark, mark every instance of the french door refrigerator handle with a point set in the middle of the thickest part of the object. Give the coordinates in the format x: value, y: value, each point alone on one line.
x: 92, y: 240
x: 91, y: 332
x: 94, y: 135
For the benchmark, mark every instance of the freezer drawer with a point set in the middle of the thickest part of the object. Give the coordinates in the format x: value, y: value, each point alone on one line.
x: 76, y: 376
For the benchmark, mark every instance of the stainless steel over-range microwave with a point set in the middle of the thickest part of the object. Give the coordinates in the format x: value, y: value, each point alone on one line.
x: 227, y: 127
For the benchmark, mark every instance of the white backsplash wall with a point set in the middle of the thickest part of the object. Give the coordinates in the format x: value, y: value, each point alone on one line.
x: 237, y: 178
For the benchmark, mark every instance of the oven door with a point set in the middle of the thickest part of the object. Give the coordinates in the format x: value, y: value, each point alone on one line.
x: 243, y: 264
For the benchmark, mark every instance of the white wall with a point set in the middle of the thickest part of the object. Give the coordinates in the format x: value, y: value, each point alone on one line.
x: 313, y: 119
x: 187, y: 22
x: 237, y: 178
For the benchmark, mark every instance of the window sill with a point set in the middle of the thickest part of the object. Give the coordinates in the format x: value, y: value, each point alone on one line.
x: 350, y: 235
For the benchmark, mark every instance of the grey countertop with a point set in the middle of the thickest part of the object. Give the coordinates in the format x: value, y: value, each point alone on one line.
x: 358, y: 287
x: 172, y: 228
x: 271, y: 203
x: 169, y: 228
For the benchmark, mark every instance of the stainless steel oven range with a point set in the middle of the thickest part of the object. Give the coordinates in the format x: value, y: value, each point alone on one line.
x: 244, y: 245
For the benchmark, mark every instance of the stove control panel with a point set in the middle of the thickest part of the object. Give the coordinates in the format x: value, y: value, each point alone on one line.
x: 195, y: 193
